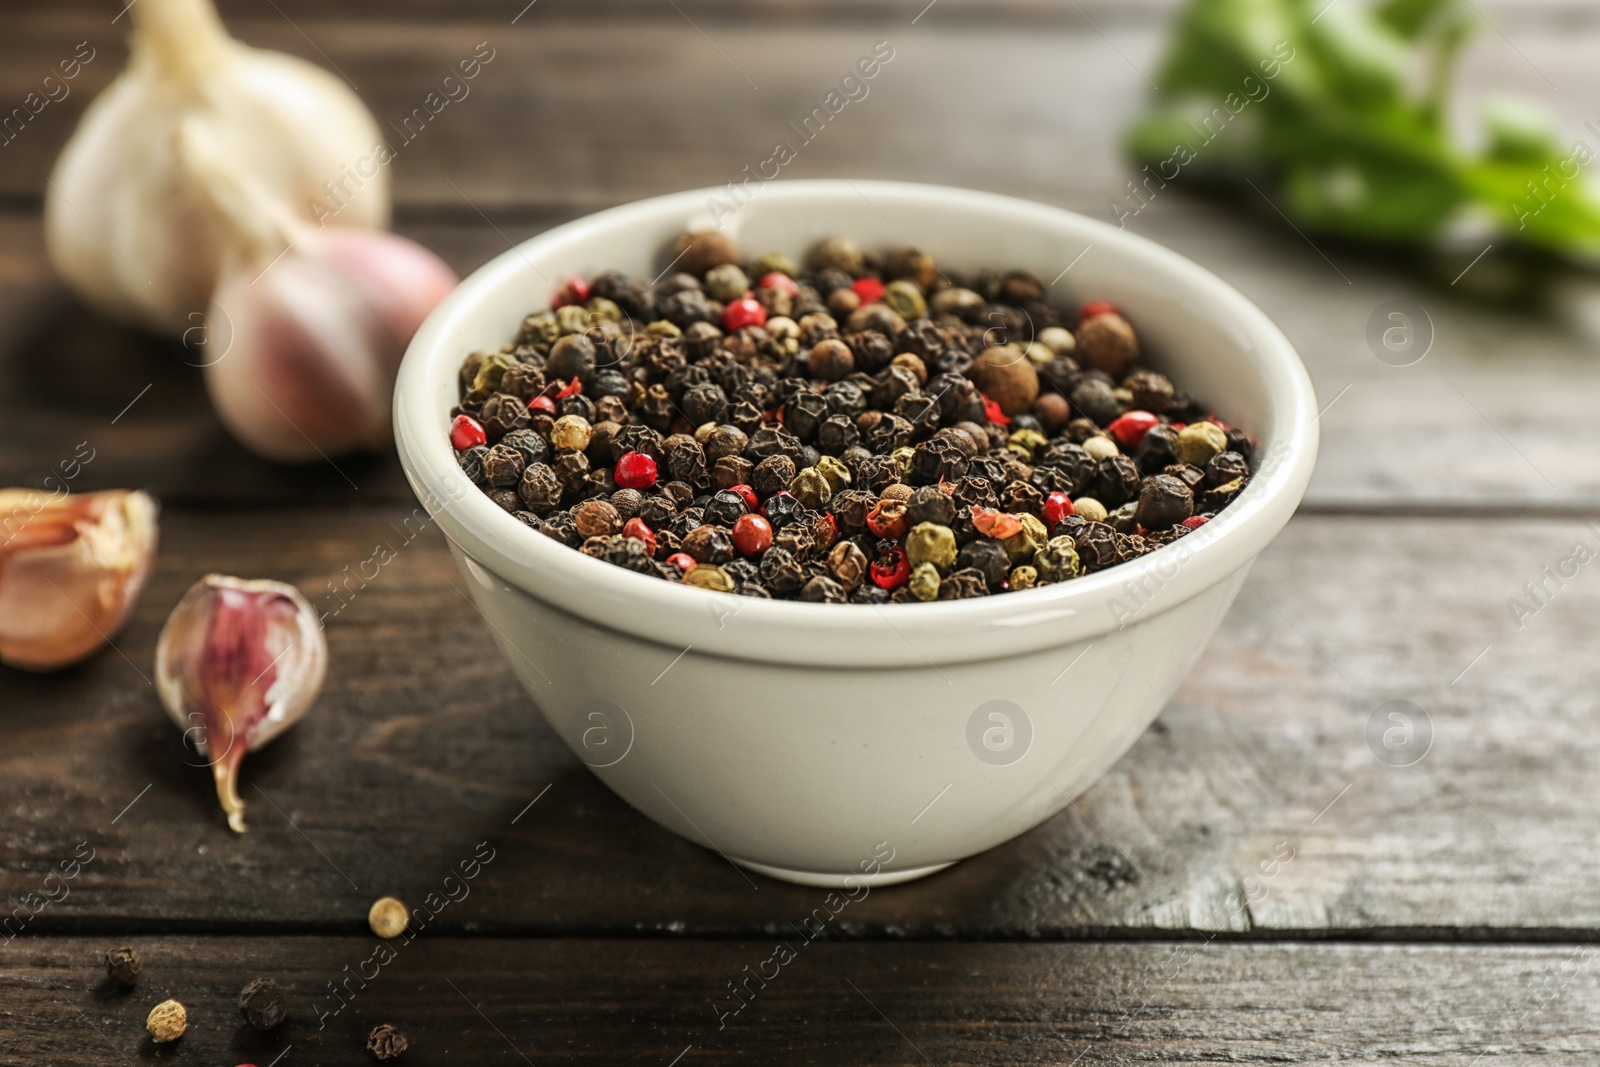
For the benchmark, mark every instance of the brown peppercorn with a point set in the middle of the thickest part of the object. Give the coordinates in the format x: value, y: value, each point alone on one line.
x: 167, y: 1021
x: 709, y: 544
x: 698, y: 252
x: 264, y: 1004
x: 1106, y: 342
x: 1150, y: 391
x: 1052, y: 411
x: 830, y: 359
x: 1007, y: 377
x: 913, y: 363
x: 730, y: 471
x: 848, y: 564
x: 385, y: 1042
x: 597, y: 518
x: 843, y: 302
x: 122, y: 966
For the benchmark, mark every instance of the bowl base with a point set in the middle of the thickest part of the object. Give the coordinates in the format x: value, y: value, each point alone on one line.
x: 832, y: 880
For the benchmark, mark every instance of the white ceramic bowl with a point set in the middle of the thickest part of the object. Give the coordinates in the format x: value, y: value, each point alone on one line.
x: 820, y: 742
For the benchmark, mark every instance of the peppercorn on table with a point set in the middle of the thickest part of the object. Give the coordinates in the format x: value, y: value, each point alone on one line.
x: 1361, y: 831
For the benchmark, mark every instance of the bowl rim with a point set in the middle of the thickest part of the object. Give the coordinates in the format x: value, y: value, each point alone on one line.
x: 893, y: 635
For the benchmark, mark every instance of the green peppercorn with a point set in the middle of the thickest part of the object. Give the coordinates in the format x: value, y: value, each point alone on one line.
x: 1198, y: 442
x: 603, y: 310
x: 707, y: 576
x: 905, y: 299
x: 834, y: 470
x: 1057, y: 560
x: 924, y: 584
x: 902, y: 457
x: 1023, y: 577
x: 573, y: 319
x: 726, y: 282
x: 811, y: 487
x: 1027, y: 442
x: 1021, y: 546
x: 929, y: 543
x: 662, y: 328
x: 539, y: 329
x: 770, y: 262
x: 492, y: 369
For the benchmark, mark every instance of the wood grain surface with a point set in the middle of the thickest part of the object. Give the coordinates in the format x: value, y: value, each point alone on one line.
x: 617, y: 1001
x: 423, y: 744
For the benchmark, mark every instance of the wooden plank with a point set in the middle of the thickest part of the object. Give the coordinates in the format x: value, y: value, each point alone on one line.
x: 494, y: 1001
x: 423, y: 745
x: 1468, y: 426
x: 574, y: 108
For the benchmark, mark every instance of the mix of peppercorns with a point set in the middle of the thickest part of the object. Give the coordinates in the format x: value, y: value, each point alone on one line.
x: 868, y: 428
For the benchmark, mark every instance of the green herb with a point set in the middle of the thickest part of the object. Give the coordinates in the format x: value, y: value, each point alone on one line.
x: 1345, y: 108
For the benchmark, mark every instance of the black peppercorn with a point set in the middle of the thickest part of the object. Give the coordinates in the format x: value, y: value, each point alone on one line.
x: 264, y: 1004
x: 708, y: 544
x: 988, y: 558
x: 502, y: 466
x: 1163, y: 501
x: 930, y: 504
x: 471, y: 464
x: 534, y: 449
x: 1224, y: 467
x: 540, y: 489
x: 503, y: 413
x: 570, y: 357
x: 1094, y: 398
x: 781, y: 571
x: 1116, y: 481
x: 822, y: 590
x: 725, y: 508
x: 1156, y: 449
x: 122, y: 966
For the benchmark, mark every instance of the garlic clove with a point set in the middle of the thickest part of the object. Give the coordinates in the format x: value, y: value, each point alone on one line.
x: 126, y: 223
x: 238, y: 662
x: 71, y: 570
x: 301, y: 359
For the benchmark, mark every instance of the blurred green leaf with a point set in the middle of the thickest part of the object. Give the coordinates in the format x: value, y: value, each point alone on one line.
x: 1343, y: 104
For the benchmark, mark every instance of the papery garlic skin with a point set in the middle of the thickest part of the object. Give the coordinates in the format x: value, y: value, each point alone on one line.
x: 300, y: 360
x: 124, y: 222
x: 71, y: 571
x: 238, y: 662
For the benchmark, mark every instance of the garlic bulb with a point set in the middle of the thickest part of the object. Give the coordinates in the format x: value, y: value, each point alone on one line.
x: 307, y: 327
x: 125, y: 224
x: 71, y: 570
x: 238, y: 662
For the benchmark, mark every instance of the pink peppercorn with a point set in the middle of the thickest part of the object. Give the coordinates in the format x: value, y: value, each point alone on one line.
x: 745, y: 311
x: 467, y: 432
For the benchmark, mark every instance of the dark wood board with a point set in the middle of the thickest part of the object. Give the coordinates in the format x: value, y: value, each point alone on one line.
x: 423, y: 745
x: 576, y: 1001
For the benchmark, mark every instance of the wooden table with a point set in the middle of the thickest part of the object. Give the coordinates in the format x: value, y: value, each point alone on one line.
x: 1431, y: 913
